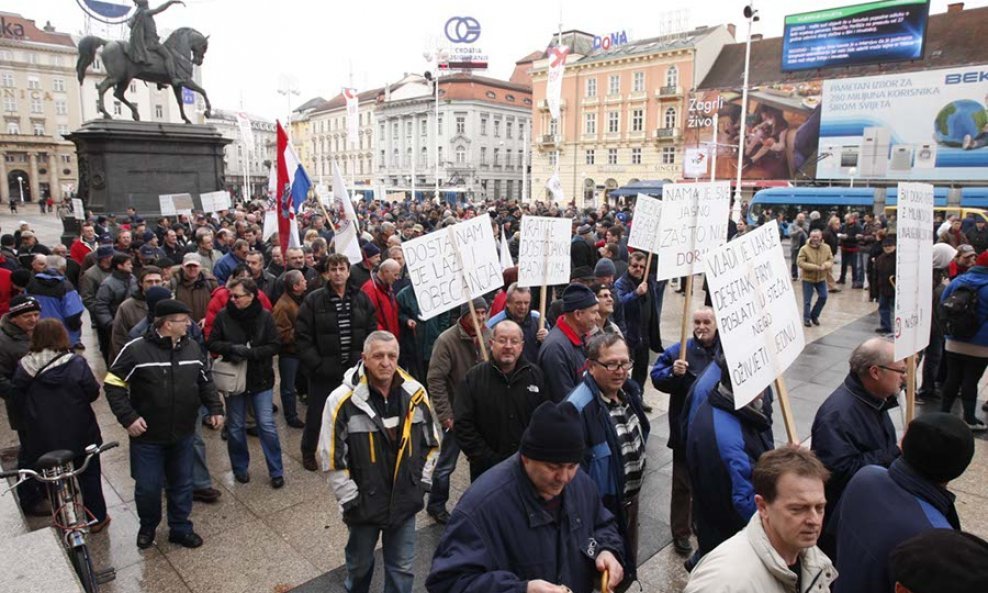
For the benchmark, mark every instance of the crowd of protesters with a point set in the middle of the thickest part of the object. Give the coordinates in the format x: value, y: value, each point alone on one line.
x: 193, y: 314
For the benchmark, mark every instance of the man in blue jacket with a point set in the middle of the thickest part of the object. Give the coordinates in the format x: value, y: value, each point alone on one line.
x: 638, y: 298
x: 616, y: 430
x: 852, y: 428
x: 675, y: 377
x: 722, y: 447
x: 562, y: 356
x: 533, y: 522
x: 882, y: 508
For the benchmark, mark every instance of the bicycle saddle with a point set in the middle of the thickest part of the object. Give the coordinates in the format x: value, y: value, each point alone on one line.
x: 55, y: 458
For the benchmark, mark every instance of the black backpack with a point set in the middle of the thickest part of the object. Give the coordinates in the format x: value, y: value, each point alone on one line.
x: 960, y: 313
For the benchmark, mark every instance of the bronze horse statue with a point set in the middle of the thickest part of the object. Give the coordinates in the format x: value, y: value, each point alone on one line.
x: 188, y: 47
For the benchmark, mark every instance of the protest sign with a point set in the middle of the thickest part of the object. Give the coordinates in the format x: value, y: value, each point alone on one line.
x: 174, y: 204
x: 449, y: 267
x: 913, y: 266
x: 645, y: 224
x: 78, y: 210
x: 543, y: 252
x: 215, y: 201
x: 506, y: 261
x: 757, y: 317
x: 694, y: 221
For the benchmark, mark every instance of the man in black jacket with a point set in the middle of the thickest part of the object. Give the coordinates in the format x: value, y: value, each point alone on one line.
x: 330, y: 330
x: 495, y: 401
x: 149, y: 390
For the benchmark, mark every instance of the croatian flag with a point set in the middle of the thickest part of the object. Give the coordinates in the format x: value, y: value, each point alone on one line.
x: 293, y: 188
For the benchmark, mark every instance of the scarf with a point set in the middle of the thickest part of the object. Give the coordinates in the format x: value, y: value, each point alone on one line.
x: 245, y: 318
x: 939, y: 497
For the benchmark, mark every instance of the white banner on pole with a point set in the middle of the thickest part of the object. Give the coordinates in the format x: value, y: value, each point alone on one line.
x: 352, y: 117
x: 644, y: 233
x: 505, y: 253
x: 555, y: 186
x: 246, y: 132
x: 175, y: 204
x: 347, y: 239
x: 78, y: 210
x: 695, y: 161
x: 554, y: 86
x: 215, y: 201
x: 757, y: 316
x: 449, y: 267
x: 913, y: 265
x: 543, y: 252
x: 694, y: 221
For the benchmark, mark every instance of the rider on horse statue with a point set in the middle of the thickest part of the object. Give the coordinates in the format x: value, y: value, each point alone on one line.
x: 144, y: 37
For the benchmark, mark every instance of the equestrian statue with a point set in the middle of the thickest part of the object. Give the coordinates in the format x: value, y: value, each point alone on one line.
x: 145, y: 57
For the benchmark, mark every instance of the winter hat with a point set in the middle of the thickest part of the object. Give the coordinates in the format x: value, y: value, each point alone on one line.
x: 604, y: 267
x: 965, y: 249
x: 942, y: 254
x: 22, y: 304
x: 554, y: 434
x: 104, y: 251
x: 21, y: 278
x: 370, y: 250
x: 982, y: 259
x: 155, y: 295
x: 478, y: 304
x: 171, y: 307
x: 148, y: 250
x: 889, y: 241
x: 581, y: 273
x: 577, y: 297
x: 147, y: 236
x: 584, y: 229
x: 941, y: 561
x: 191, y: 258
x: 938, y: 446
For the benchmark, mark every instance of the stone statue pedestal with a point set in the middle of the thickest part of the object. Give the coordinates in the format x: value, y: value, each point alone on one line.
x: 128, y: 164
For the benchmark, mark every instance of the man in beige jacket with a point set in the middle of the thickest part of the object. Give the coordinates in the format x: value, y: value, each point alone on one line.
x: 815, y: 260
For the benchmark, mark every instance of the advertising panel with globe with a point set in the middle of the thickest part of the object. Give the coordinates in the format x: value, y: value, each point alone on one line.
x: 930, y: 125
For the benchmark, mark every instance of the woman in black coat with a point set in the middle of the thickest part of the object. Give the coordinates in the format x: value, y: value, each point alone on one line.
x: 52, y: 392
x: 244, y: 333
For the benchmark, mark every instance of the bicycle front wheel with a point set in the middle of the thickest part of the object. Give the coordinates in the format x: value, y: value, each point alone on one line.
x: 83, y: 564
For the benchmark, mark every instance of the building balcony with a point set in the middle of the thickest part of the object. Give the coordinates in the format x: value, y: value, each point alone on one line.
x: 668, y: 92
x: 549, y: 140
x: 666, y: 134
x: 639, y: 96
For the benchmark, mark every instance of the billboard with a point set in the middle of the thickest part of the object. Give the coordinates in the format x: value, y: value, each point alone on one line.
x: 883, y: 31
x: 778, y: 138
x: 930, y: 125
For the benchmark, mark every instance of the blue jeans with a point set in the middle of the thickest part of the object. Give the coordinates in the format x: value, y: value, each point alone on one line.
x: 885, y: 305
x: 236, y: 444
x: 398, y: 550
x: 821, y: 290
x: 200, y: 473
x: 288, y: 370
x: 850, y: 260
x: 449, y: 452
x: 151, y: 466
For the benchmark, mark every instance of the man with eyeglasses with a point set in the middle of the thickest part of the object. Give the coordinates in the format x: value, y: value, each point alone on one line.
x: 518, y: 308
x: 495, y: 401
x: 616, y: 430
x: 852, y: 428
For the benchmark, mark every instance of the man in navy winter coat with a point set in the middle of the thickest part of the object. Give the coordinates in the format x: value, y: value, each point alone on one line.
x: 881, y: 508
x: 563, y: 356
x: 534, y: 522
x: 852, y: 428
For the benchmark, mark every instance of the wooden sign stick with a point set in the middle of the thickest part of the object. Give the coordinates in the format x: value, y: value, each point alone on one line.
x: 473, y: 311
x: 910, y: 388
x: 687, y: 318
x: 787, y: 417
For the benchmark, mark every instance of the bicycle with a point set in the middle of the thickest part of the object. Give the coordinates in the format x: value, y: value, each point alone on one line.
x: 69, y: 515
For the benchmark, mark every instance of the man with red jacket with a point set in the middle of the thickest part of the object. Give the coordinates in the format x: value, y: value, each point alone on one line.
x: 85, y: 244
x: 378, y: 290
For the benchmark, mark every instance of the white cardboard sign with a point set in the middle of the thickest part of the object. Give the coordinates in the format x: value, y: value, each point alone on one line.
x: 694, y: 221
x: 453, y: 265
x: 215, y: 201
x: 543, y: 251
x: 755, y: 304
x: 644, y: 233
x: 78, y: 210
x: 913, y: 265
x: 174, y: 204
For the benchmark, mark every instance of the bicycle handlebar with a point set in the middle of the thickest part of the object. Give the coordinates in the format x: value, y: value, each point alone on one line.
x: 91, y: 451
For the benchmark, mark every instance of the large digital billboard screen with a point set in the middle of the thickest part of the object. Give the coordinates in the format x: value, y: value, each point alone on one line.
x: 927, y: 125
x: 884, y: 31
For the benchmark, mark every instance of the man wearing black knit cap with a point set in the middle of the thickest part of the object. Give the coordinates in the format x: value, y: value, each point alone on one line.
x: 940, y: 561
x: 881, y: 508
x: 563, y: 357
x: 532, y: 523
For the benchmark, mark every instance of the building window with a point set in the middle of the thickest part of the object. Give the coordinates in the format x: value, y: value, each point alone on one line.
x: 613, y: 122
x: 461, y: 124
x: 672, y: 76
x: 461, y: 155
x: 591, y: 87
x: 424, y: 128
x: 439, y: 156
x: 591, y: 156
x: 63, y: 129
x: 381, y: 132
x: 507, y: 159
x: 424, y: 157
x: 589, y: 123
x: 13, y: 128
x: 669, y: 155
x: 58, y: 85
x: 159, y: 111
x: 497, y: 128
x: 394, y: 158
x: 612, y: 156
x: 483, y: 126
x: 636, y: 156
x: 10, y: 104
x: 33, y: 83
x: 638, y: 82
x: 497, y: 157
x: 508, y: 131
x: 381, y: 162
x: 509, y: 191
x: 36, y: 106
x: 553, y: 158
x: 39, y: 129
x: 408, y: 157
x: 439, y: 127
x: 483, y: 156
x: 614, y: 84
x: 670, y: 118
x: 521, y: 159
x: 394, y: 131
x: 7, y: 79
x: 61, y: 107
x: 637, y: 120
x: 408, y: 129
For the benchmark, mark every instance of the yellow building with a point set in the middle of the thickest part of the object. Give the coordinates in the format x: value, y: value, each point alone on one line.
x: 40, y: 104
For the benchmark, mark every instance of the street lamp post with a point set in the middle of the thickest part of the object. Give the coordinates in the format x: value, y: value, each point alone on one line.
x: 752, y: 15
